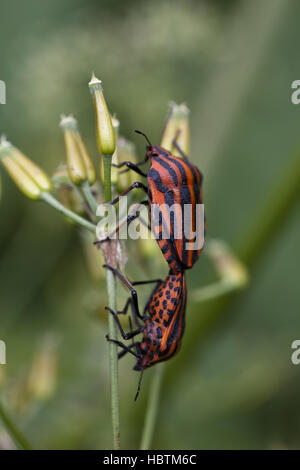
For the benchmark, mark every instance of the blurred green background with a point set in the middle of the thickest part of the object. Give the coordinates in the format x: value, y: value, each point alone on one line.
x: 233, y: 384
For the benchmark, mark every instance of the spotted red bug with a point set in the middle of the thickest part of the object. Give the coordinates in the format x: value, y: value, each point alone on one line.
x: 173, y: 182
x: 162, y: 322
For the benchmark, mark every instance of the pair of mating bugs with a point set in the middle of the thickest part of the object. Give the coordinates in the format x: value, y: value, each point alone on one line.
x: 171, y: 180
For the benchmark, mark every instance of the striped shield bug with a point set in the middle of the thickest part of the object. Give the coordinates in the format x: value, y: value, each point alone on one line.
x: 174, y: 182
x: 175, y: 202
x: 161, y: 324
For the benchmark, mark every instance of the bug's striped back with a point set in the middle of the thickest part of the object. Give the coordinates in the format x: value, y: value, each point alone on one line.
x: 165, y: 321
x: 174, y: 181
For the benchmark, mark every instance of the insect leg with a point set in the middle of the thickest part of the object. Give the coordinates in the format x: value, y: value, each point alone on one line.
x: 124, y: 335
x: 125, y: 309
x: 128, y: 284
x: 175, y: 144
x: 133, y: 311
x: 130, y: 166
x: 127, y: 163
x: 135, y: 185
x: 139, y: 386
x: 151, y: 281
x: 123, y: 346
x: 136, y: 344
x: 125, y: 351
x: 132, y: 216
x: 147, y: 224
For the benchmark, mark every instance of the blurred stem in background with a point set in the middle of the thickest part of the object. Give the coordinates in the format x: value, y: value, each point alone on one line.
x: 152, y: 408
x: 274, y: 212
x: 13, y: 430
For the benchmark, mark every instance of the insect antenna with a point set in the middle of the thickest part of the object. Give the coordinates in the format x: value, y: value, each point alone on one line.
x: 142, y: 133
x: 139, y: 386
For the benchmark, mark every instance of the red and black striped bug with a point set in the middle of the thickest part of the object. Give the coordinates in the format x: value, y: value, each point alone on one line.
x: 176, y: 183
x: 162, y: 322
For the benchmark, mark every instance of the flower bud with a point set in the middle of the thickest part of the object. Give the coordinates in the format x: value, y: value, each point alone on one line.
x: 29, y: 178
x: 104, y: 128
x: 75, y: 163
x: 21, y: 179
x: 90, y: 170
x: 177, y: 125
x: 116, y: 126
x: 170, y: 128
x: 114, y: 171
x: 36, y: 173
x: 183, y: 129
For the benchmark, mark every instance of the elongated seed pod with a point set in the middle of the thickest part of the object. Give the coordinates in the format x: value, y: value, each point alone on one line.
x: 104, y: 129
x: 90, y: 170
x: 35, y: 172
x: 22, y: 180
x: 115, y: 158
x: 170, y: 128
x: 177, y: 128
x: 76, y: 167
x: 183, y: 131
x: 79, y: 162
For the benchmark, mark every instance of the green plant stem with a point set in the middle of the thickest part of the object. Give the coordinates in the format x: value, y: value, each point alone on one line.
x: 13, y: 431
x: 107, y: 177
x: 49, y: 199
x: 273, y: 213
x: 86, y: 189
x: 152, y: 407
x: 112, y: 329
